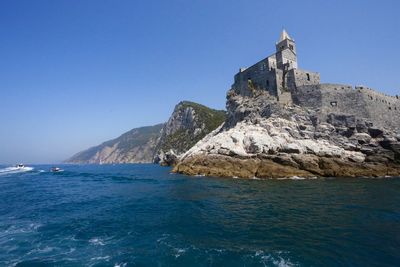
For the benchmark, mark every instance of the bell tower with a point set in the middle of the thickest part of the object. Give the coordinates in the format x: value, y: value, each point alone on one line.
x: 286, y: 55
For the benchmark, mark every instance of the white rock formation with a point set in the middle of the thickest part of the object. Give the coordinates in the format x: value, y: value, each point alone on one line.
x: 268, y: 136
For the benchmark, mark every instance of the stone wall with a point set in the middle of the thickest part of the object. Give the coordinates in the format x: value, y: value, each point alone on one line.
x: 308, y: 96
x: 342, y: 99
x: 383, y: 109
x: 298, y: 77
x: 261, y: 75
x: 380, y: 109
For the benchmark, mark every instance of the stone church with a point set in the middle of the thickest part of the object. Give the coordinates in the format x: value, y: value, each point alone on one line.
x: 277, y: 73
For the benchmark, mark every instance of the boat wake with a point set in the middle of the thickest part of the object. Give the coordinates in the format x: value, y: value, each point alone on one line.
x: 13, y: 170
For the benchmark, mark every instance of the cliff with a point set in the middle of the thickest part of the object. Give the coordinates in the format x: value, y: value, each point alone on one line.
x: 161, y: 143
x: 264, y: 138
x: 188, y: 124
x: 138, y: 145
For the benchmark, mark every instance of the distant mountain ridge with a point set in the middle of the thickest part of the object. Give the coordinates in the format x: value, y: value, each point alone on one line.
x: 160, y: 143
x: 136, y: 145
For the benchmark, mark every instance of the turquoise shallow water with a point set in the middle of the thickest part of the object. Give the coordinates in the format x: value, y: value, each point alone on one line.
x: 140, y: 215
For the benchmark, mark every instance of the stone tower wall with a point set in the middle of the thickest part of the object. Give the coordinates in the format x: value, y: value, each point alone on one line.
x: 286, y: 44
x: 286, y: 57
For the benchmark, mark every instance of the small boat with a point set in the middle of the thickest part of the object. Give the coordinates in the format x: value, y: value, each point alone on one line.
x: 16, y: 169
x: 56, y: 169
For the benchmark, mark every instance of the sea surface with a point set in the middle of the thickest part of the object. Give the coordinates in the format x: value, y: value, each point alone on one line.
x: 141, y: 215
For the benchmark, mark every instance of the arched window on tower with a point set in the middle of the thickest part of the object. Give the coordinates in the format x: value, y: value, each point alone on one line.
x: 308, y: 76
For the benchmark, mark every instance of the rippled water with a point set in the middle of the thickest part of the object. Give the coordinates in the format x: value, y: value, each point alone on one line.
x: 140, y: 215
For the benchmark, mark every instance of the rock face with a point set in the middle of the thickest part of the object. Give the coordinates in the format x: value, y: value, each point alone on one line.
x: 188, y: 124
x: 263, y: 138
x: 162, y: 143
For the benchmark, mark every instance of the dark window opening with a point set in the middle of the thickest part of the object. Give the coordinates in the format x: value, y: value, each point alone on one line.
x: 267, y: 83
x: 308, y: 76
x: 390, y: 108
x: 291, y: 47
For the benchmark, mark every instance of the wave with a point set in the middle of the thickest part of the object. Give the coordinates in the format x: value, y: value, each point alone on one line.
x: 97, y: 241
x: 172, y: 247
x: 12, y: 170
x: 297, y: 178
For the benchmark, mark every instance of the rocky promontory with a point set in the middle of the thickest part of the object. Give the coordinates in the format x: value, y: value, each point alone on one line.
x: 189, y: 123
x: 264, y: 138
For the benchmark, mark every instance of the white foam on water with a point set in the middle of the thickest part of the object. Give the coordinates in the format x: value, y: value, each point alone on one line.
x: 282, y: 263
x: 97, y: 241
x: 259, y: 253
x: 20, y: 229
x: 41, y: 250
x: 106, y: 258
x: 12, y: 170
x: 296, y: 178
x: 123, y: 264
x: 274, y: 259
x: 179, y: 252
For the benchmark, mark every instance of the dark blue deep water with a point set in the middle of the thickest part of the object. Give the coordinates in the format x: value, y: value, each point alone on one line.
x: 140, y: 215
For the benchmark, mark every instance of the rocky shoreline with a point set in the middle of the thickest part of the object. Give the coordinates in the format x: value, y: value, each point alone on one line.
x: 264, y: 139
x: 282, y: 167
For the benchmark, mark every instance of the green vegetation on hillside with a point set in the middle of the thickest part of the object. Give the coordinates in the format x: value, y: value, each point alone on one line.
x: 184, y: 139
x: 212, y: 118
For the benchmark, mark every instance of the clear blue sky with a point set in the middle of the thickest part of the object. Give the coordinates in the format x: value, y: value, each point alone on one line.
x: 76, y: 73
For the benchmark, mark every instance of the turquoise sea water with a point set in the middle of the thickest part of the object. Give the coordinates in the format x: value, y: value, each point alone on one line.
x: 140, y: 215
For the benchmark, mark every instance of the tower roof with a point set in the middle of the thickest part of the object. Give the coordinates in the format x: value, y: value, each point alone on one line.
x: 284, y: 36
